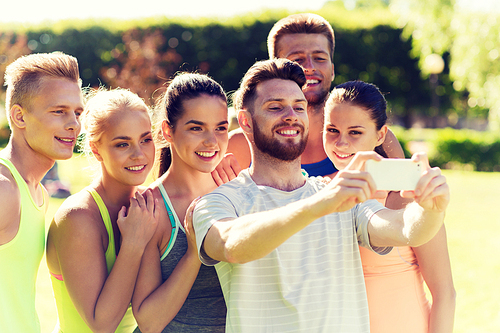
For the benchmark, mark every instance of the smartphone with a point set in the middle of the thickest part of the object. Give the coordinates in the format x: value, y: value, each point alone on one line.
x: 394, y: 174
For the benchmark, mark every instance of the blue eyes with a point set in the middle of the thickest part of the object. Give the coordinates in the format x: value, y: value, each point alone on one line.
x: 125, y: 144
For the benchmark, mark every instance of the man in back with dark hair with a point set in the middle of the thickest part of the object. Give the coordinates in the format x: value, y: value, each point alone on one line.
x: 309, y: 40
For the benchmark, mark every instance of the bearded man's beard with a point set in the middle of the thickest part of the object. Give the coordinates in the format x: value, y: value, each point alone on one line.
x: 271, y: 146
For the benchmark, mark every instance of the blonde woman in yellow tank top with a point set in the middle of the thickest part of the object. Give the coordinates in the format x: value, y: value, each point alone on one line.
x: 98, y: 235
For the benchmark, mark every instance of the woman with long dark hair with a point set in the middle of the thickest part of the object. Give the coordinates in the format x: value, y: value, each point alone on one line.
x: 173, y: 294
x: 355, y: 120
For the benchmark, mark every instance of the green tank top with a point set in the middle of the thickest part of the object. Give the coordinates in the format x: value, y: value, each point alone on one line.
x: 19, y: 262
x: 69, y: 320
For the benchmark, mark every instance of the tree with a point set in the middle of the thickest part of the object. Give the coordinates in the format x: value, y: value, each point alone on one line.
x: 471, y: 40
x: 475, y: 64
x: 428, y: 23
x: 12, y: 46
x: 140, y: 65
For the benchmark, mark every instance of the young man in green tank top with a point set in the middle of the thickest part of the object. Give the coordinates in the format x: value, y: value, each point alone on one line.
x: 43, y: 105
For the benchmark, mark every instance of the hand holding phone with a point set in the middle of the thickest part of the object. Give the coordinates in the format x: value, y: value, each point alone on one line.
x: 394, y: 174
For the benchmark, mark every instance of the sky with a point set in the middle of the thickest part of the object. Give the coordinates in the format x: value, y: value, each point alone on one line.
x: 24, y: 11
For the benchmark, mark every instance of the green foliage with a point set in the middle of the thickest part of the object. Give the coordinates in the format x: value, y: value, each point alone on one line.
x: 427, y: 22
x: 363, y: 54
x: 451, y: 148
x: 143, y: 55
x: 368, y: 14
x: 464, y: 147
x: 12, y: 45
x: 4, y: 134
x: 471, y: 40
x: 89, y: 46
x: 475, y: 62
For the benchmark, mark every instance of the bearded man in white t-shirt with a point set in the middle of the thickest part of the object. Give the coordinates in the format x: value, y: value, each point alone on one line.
x: 285, y: 246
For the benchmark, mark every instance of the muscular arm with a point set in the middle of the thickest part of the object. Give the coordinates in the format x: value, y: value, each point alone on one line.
x: 420, y: 220
x: 253, y: 236
x: 434, y: 262
x: 412, y: 226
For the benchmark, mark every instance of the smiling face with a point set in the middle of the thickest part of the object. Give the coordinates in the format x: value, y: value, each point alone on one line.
x: 51, y: 124
x: 280, y: 122
x: 126, y: 149
x: 311, y: 51
x: 199, y: 138
x: 349, y: 129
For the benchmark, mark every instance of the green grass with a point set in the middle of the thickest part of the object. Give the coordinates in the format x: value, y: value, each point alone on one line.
x: 473, y: 228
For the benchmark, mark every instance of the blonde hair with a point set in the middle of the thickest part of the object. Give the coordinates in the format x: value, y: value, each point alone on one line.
x: 101, y: 105
x: 24, y: 76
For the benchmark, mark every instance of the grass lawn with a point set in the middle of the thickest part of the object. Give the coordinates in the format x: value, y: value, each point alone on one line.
x: 473, y: 229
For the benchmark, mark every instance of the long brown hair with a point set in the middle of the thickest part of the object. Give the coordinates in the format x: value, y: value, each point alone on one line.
x: 366, y: 96
x: 170, y: 108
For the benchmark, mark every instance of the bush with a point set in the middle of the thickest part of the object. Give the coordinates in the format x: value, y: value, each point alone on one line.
x: 465, y: 147
x: 4, y: 135
x: 450, y: 148
x: 142, y: 55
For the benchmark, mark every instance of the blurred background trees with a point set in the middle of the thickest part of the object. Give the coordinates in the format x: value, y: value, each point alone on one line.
x: 469, y: 41
x: 384, y: 42
x: 438, y: 65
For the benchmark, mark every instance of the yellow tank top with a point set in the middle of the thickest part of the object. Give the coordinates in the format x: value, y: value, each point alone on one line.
x: 69, y: 320
x: 19, y: 262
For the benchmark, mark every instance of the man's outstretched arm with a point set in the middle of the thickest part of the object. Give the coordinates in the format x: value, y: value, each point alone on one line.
x: 250, y: 237
x: 420, y: 220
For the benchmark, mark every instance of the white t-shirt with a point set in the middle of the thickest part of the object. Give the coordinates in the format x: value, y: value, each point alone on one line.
x: 313, y: 282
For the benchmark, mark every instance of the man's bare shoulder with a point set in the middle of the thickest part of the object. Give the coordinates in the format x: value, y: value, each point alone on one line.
x: 236, y: 132
x: 7, y: 181
x: 10, y: 204
x: 238, y: 146
x: 391, y: 146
